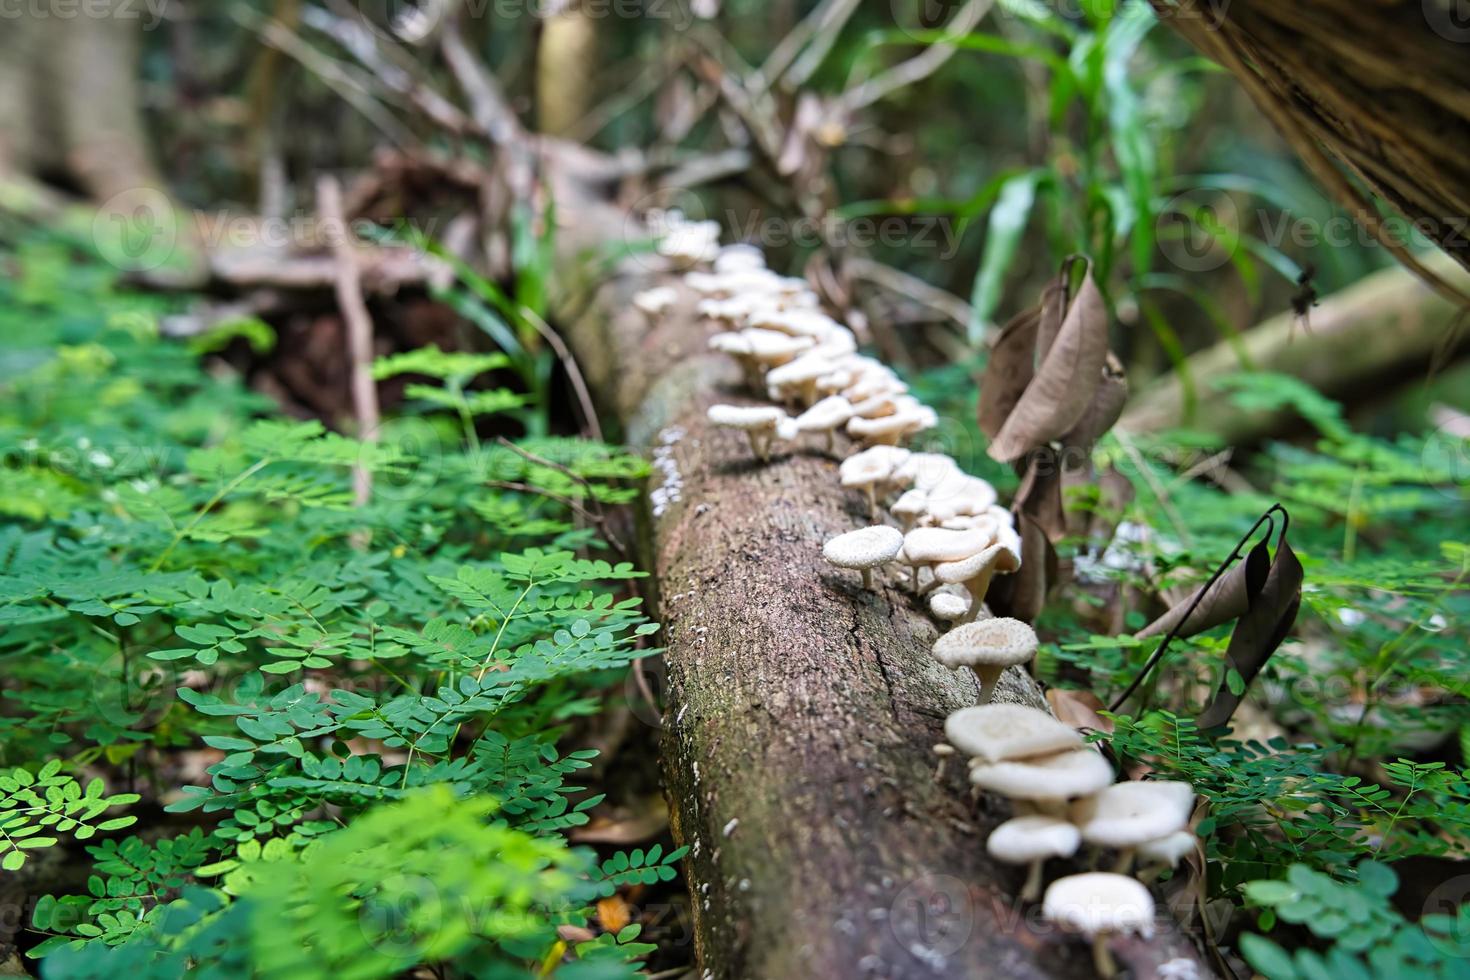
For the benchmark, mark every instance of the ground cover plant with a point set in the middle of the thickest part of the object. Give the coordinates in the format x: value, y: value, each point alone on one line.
x: 285, y: 728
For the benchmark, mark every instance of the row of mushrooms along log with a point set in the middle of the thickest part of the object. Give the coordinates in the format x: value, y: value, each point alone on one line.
x: 954, y: 540
x: 1064, y: 796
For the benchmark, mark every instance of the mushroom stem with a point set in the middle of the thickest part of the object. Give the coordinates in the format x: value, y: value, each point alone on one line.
x: 977, y: 587
x: 1102, y: 957
x: 867, y: 578
x: 988, y: 675
x: 914, y: 578
x: 1031, y: 891
x: 830, y: 443
x: 872, y: 500
x: 1125, y: 861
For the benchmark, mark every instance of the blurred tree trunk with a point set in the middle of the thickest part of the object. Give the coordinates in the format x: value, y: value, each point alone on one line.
x: 566, y: 69
x: 69, y: 100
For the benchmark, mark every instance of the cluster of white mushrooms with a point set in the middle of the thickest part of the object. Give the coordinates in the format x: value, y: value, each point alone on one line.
x: 953, y: 539
x: 1064, y: 796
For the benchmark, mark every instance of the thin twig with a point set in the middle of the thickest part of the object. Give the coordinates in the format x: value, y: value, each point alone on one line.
x: 916, y: 289
x: 569, y: 365
x: 359, y: 326
x: 821, y: 27
x: 919, y: 67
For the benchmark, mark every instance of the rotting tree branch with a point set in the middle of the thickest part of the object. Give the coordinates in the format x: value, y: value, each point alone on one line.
x: 802, y: 709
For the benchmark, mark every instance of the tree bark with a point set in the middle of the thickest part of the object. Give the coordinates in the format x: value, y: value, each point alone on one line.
x: 1374, y: 331
x: 801, y: 708
x: 69, y: 101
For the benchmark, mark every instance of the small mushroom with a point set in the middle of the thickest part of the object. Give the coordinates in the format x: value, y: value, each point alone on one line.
x: 867, y: 469
x: 1167, y: 851
x: 998, y: 732
x: 739, y: 257
x: 925, y: 471
x: 1030, y: 841
x: 1128, y: 814
x: 909, y: 507
x: 976, y: 571
x: 936, y: 544
x: 950, y: 603
x: 1047, y: 781
x: 654, y: 301
x: 864, y: 549
x: 1099, y: 905
x: 987, y: 647
x: 797, y: 380
x: 826, y: 417
x: 758, y: 422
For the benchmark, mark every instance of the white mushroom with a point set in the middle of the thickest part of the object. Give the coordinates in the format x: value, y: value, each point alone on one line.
x: 1030, y: 841
x: 934, y: 544
x: 976, y: 571
x: 1098, y: 905
x: 950, y: 603
x: 826, y: 416
x: 1047, y: 780
x: 1169, y: 850
x: 1127, y: 814
x: 865, y: 470
x: 758, y: 422
x: 797, y: 380
x: 909, y: 507
x: 654, y: 301
x: 864, y: 549
x: 998, y: 732
x: 739, y: 257
x: 987, y: 647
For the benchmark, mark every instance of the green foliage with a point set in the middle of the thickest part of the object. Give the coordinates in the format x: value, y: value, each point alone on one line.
x: 33, y: 804
x: 1367, y: 936
x: 379, y: 689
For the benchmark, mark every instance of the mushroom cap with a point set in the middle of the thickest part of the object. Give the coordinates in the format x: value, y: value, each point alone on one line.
x: 960, y: 494
x: 655, y: 300
x: 867, y: 547
x: 949, y: 603
x: 1026, y: 839
x: 875, y: 406
x: 910, y: 504
x: 1127, y: 814
x: 1168, y: 849
x: 883, y: 425
x: 996, y: 556
x: 924, y: 471
x: 797, y: 322
x: 745, y: 417
x: 997, y: 642
x: 1099, y: 902
x: 1052, y: 777
x: 808, y: 367
x: 933, y: 544
x: 736, y: 344
x: 829, y: 413
x: 768, y: 345
x: 998, y: 732
x: 739, y: 257
x: 870, y: 465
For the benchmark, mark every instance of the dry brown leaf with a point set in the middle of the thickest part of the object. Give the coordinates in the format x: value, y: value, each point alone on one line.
x: 1066, y: 380
x: 1078, y: 709
x: 1008, y: 370
x: 1023, y: 594
x: 1260, y: 631
x: 1228, y: 598
x: 613, y: 913
x: 1105, y: 409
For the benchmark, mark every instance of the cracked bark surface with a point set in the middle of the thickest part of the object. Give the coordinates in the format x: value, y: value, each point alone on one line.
x: 801, y: 709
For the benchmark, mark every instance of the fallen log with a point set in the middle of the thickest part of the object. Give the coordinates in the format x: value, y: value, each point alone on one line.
x: 1379, y: 329
x: 801, y: 709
